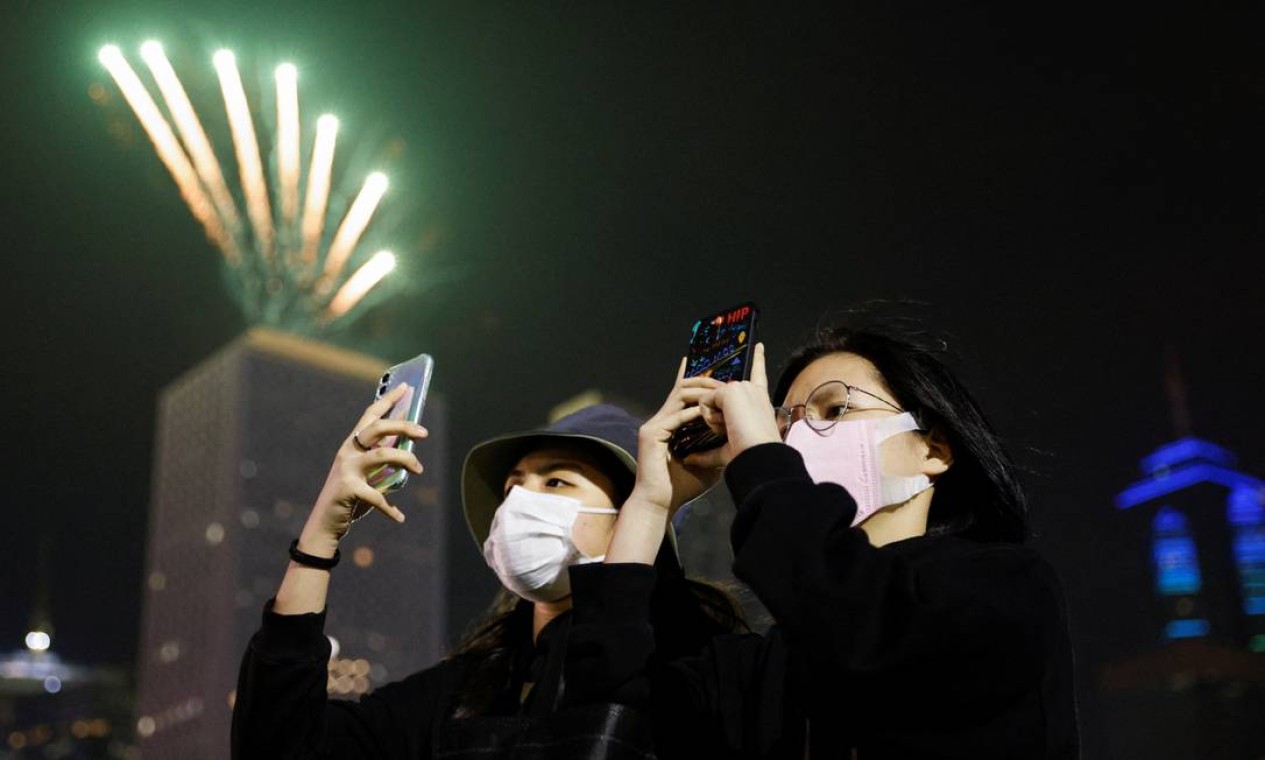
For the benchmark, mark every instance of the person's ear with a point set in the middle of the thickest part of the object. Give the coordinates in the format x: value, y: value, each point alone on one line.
x: 939, y: 457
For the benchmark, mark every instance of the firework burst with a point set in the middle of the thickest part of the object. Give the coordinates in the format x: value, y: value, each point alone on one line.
x: 279, y: 269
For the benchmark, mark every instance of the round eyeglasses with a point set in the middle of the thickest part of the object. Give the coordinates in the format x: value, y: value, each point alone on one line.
x: 826, y: 405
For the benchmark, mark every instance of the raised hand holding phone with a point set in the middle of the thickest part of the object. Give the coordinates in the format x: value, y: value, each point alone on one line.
x: 346, y: 496
x: 720, y: 348
x: 376, y: 456
x: 414, y: 375
x: 663, y: 482
x: 742, y: 412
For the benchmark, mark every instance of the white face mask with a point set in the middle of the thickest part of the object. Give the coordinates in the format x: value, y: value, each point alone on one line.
x: 529, y: 546
x: 848, y: 454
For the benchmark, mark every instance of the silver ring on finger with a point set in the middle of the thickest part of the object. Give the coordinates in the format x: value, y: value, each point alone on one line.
x: 355, y: 439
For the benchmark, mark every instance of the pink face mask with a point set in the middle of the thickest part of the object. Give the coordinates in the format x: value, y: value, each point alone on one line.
x: 848, y: 454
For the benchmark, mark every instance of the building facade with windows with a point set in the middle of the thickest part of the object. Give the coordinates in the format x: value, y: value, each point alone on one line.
x: 1196, y: 686
x: 244, y: 443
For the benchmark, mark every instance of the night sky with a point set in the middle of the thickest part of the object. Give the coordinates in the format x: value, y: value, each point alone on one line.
x: 574, y: 183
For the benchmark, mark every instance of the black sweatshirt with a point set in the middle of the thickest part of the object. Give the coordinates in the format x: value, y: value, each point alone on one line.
x: 931, y: 647
x: 282, y: 708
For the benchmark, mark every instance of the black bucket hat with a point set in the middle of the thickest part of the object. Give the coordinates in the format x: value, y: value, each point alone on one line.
x: 483, y: 475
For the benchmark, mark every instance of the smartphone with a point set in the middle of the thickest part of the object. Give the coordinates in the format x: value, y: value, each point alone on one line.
x: 416, y: 373
x: 721, y: 346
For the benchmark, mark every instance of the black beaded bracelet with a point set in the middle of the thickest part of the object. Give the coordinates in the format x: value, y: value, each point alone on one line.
x: 309, y: 560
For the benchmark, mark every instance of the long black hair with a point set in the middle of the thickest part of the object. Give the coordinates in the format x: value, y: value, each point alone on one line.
x: 979, y: 497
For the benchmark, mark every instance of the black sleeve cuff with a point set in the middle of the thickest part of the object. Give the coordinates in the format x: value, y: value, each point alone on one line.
x: 760, y: 465
x: 616, y: 594
x: 291, y: 637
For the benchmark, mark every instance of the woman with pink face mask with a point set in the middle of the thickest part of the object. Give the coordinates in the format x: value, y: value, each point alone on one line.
x: 881, y: 523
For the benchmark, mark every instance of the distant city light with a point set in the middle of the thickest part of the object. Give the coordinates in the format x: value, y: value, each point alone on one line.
x: 38, y: 641
x: 1187, y: 629
x: 1246, y: 513
x: 348, y: 676
x: 146, y: 726
x: 215, y: 534
x: 169, y: 652
x: 1175, y: 555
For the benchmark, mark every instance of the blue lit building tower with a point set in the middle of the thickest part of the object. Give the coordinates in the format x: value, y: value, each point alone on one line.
x: 1194, y: 684
x: 1207, y: 539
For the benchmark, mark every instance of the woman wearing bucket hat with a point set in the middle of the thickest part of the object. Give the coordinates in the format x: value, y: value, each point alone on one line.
x: 538, y: 503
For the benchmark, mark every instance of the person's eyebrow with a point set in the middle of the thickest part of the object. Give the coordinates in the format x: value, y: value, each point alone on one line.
x: 552, y: 465
x: 563, y: 464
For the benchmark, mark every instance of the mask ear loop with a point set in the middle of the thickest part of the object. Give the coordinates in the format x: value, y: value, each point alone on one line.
x: 589, y: 511
x: 898, y: 489
x: 894, y: 426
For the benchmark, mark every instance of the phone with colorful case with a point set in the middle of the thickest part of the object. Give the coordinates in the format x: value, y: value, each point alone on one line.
x: 721, y: 346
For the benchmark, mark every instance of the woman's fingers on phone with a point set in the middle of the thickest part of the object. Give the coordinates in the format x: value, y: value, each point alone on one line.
x: 679, y: 418
x: 402, y: 427
x: 700, y: 382
x: 691, y: 396
x: 391, y: 455
x: 685, y: 393
x: 378, y: 429
x: 759, y: 375
x: 688, y: 391
x: 372, y: 497
x: 711, y: 414
x: 378, y: 409
x: 661, y: 427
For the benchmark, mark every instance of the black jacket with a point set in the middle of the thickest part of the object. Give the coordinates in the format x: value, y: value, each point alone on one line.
x: 932, y: 647
x: 282, y: 709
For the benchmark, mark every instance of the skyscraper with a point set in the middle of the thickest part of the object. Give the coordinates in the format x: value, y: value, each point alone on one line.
x: 244, y: 442
x: 1197, y: 686
x: 1206, y: 526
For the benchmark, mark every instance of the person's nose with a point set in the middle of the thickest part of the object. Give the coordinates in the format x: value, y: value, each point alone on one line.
x: 534, y: 483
